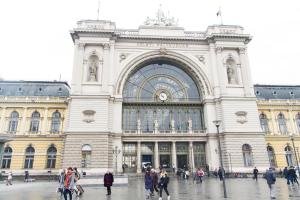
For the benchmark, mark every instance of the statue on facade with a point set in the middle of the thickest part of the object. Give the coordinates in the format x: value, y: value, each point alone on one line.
x: 139, y: 125
x: 93, y: 69
x: 172, y: 125
x: 231, y: 74
x: 190, y: 124
x: 161, y: 20
x: 155, y: 126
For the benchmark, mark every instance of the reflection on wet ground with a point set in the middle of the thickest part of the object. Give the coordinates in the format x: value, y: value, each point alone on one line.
x: 245, y: 189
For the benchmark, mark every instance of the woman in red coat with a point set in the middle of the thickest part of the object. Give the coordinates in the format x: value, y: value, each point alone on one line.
x: 108, y: 181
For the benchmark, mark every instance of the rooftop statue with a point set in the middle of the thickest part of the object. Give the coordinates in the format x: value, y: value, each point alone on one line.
x: 161, y: 20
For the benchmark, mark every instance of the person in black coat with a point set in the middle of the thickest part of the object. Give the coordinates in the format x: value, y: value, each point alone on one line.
x: 271, y: 179
x: 220, y: 173
x: 108, y: 181
x: 255, y: 173
x: 163, y: 184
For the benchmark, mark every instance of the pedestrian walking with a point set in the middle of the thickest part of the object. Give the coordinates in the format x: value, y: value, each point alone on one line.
x: 163, y: 184
x: 61, y: 179
x: 77, y: 187
x: 9, y: 179
x: 69, y: 183
x: 26, y: 176
x: 207, y: 169
x: 221, y: 173
x: 154, y: 181
x: 292, y: 176
x: 255, y: 173
x: 108, y: 181
x: 148, y: 183
x: 200, y: 174
x: 271, y: 179
x: 285, y: 174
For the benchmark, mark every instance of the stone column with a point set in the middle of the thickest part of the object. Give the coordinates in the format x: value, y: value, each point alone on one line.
x: 245, y: 71
x: 191, y: 156
x: 44, y: 129
x: 2, y: 120
x: 174, y: 155
x: 111, y: 67
x: 23, y: 122
x: 105, y: 71
x: 78, y: 76
x: 222, y: 75
x: 214, y: 71
x: 138, y: 157
x: 156, y: 156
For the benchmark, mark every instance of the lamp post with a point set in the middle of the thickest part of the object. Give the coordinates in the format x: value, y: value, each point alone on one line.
x: 116, y: 152
x: 217, y: 124
x: 292, y: 139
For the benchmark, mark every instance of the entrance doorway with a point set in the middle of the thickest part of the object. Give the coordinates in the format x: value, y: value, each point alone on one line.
x: 165, y: 161
x: 182, y: 161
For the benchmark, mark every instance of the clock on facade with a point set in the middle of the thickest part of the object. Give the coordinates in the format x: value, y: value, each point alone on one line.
x: 163, y: 96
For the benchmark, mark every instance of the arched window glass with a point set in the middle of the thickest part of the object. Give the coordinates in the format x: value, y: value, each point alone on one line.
x: 6, y: 160
x: 161, y: 96
x: 271, y: 156
x: 13, y: 122
x: 29, y: 157
x: 51, y: 157
x: 264, y: 123
x: 298, y: 121
x: 247, y: 155
x: 86, y: 153
x: 282, y: 124
x: 55, y: 123
x: 35, y: 122
x: 289, y: 155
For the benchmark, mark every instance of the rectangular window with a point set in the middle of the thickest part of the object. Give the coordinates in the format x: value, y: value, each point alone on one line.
x: 51, y: 161
x: 6, y: 162
x: 29, y: 162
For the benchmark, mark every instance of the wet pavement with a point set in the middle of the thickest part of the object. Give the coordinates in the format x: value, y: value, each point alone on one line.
x: 212, y: 189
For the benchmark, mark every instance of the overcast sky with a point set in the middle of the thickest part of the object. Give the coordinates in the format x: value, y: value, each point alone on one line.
x: 36, y: 44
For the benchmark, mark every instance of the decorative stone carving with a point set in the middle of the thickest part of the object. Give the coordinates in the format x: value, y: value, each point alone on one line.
x: 241, y: 117
x: 88, y: 116
x: 123, y: 56
x: 161, y: 20
x: 242, y: 50
x: 93, y: 69
x: 173, y: 125
x: 201, y: 58
x: 163, y: 51
x: 231, y: 71
x: 106, y: 46
x: 139, y: 126
x: 219, y: 50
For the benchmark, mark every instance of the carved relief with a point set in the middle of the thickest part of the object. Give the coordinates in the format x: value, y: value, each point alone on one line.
x: 241, y: 117
x: 163, y: 51
x: 201, y: 58
x: 88, y: 116
x: 123, y: 56
x: 219, y: 50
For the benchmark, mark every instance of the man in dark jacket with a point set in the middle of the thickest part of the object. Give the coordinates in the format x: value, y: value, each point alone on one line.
x: 255, y: 173
x: 221, y: 173
x: 271, y: 179
x: 108, y: 181
x: 154, y: 181
x: 285, y: 174
x: 148, y: 183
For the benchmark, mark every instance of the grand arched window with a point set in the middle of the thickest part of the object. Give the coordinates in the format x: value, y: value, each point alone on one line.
x: 86, y: 153
x: 162, y: 97
x: 55, y: 122
x: 13, y: 122
x: 35, y: 122
x: 282, y: 124
x: 247, y: 155
x: 6, y: 160
x: 271, y: 156
x: 29, y: 157
x: 51, y: 157
x: 264, y: 123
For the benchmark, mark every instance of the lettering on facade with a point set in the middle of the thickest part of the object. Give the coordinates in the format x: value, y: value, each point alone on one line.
x: 222, y: 30
x: 162, y: 45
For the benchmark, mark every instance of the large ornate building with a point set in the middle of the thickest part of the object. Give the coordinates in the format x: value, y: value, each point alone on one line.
x: 279, y: 114
x: 140, y: 96
x: 152, y: 94
x: 32, y: 116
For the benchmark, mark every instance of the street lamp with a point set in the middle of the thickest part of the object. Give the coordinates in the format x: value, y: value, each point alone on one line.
x: 292, y: 138
x: 116, y: 152
x: 217, y: 124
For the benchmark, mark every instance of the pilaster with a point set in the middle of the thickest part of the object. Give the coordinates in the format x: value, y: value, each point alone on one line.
x: 156, y: 157
x: 174, y: 156
x: 139, y: 164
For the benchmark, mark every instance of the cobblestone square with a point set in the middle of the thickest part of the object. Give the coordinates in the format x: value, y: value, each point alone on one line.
x: 245, y: 189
